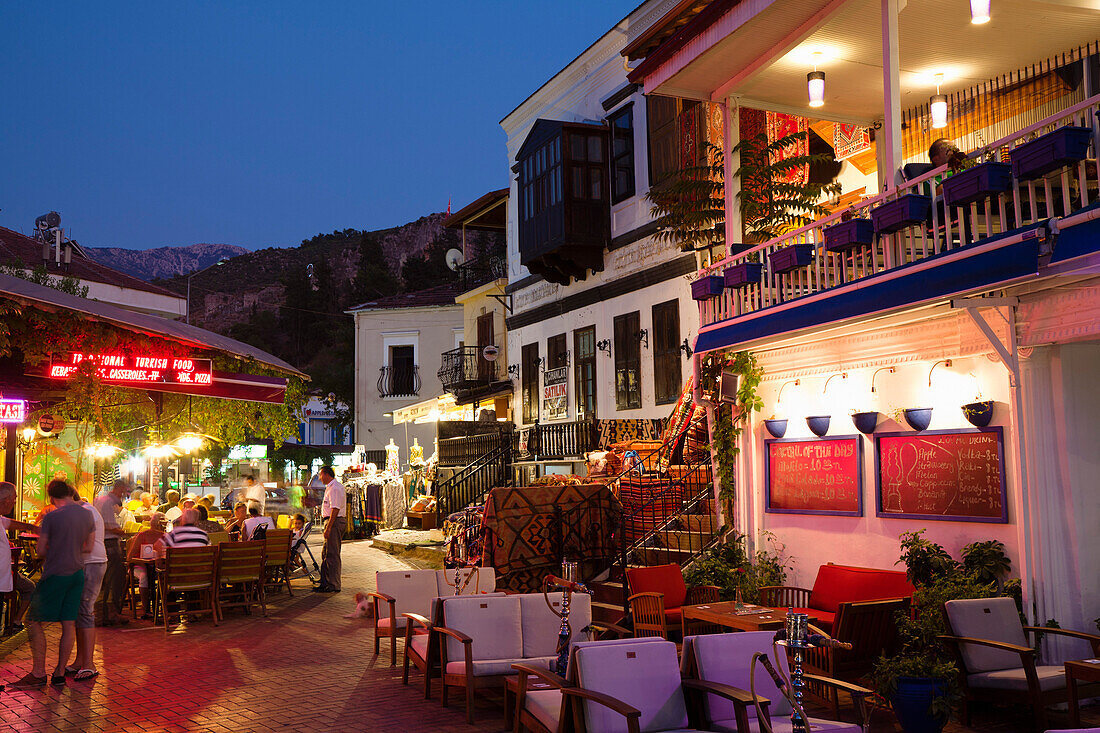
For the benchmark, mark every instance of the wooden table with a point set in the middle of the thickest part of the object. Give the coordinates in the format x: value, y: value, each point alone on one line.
x: 725, y: 613
x: 1084, y: 670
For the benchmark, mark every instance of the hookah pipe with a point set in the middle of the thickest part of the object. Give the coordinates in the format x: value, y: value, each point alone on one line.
x: 459, y: 547
x: 569, y: 586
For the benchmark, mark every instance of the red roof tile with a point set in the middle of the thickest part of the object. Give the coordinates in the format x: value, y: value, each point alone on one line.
x: 438, y: 296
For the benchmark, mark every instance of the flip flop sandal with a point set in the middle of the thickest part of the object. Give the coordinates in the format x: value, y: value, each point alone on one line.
x: 86, y: 674
x: 72, y: 669
x: 57, y: 679
x: 28, y: 681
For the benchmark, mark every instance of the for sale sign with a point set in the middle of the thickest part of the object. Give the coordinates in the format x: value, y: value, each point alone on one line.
x: 555, y: 398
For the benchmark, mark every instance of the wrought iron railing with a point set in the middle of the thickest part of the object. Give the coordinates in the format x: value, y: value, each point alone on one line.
x: 472, y: 484
x: 398, y: 381
x: 1058, y: 193
x: 465, y: 368
x: 476, y: 272
x: 464, y: 450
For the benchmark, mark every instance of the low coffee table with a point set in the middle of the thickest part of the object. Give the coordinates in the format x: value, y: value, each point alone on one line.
x: 1083, y: 670
x: 725, y: 613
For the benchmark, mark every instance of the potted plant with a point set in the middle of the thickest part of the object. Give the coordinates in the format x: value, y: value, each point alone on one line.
x: 1049, y: 152
x: 976, y: 183
x: 979, y: 414
x: 865, y: 422
x: 743, y: 274
x: 706, y: 287
x: 818, y: 424
x: 849, y: 234
x: 904, y: 211
x: 730, y: 567
x: 776, y: 426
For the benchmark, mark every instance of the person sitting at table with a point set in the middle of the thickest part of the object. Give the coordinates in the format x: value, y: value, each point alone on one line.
x: 240, y: 514
x: 255, y: 519
x: 204, y: 522
x: 142, y: 555
x: 183, y: 534
x: 10, y: 580
x: 171, y: 499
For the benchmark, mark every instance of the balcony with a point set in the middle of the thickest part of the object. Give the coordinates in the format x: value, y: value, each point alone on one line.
x: 467, y: 375
x: 477, y: 272
x: 959, y: 243
x: 399, y: 381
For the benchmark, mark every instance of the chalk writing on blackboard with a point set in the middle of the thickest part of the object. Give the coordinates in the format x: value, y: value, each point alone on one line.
x: 814, y: 476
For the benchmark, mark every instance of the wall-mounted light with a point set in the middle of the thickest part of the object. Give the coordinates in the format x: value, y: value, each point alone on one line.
x: 779, y: 398
x: 539, y: 361
x: 815, y: 84
x: 643, y: 337
x: 945, y: 362
x: 938, y: 106
x: 875, y: 374
x: 979, y: 11
x: 513, y: 370
x: 28, y: 434
x: 842, y: 375
x: 686, y: 348
x: 564, y: 358
x: 605, y: 347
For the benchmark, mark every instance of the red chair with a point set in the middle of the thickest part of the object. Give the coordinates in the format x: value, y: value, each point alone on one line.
x: 667, y: 583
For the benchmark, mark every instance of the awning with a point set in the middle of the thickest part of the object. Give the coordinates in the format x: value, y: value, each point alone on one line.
x: 39, y: 296
x: 433, y: 410
x: 986, y: 264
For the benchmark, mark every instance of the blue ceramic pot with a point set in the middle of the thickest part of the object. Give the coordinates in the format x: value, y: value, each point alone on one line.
x: 819, y: 425
x: 918, y: 417
x: 778, y: 428
x: 912, y: 704
x: 865, y: 422
x: 979, y: 413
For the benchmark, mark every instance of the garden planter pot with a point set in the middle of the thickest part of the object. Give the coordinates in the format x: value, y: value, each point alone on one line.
x: 979, y: 414
x: 706, y: 287
x: 893, y: 216
x: 792, y: 257
x: 977, y: 183
x: 778, y: 428
x: 818, y: 424
x: 918, y: 417
x: 1050, y: 152
x: 913, y: 701
x: 849, y: 235
x: 743, y: 274
x: 865, y: 422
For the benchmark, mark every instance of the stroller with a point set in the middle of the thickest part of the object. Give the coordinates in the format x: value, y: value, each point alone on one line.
x: 298, y: 561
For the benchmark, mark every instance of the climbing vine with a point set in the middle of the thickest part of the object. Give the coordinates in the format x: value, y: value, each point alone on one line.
x: 730, y: 419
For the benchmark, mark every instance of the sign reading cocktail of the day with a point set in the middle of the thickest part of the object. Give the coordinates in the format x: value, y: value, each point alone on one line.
x: 814, y: 476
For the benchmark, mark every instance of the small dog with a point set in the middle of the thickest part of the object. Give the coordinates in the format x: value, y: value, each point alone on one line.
x: 364, y: 607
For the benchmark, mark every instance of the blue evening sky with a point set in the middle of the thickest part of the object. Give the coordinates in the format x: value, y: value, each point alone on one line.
x: 263, y: 123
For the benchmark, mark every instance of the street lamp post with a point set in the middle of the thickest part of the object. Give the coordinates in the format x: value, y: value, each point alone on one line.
x: 222, y: 261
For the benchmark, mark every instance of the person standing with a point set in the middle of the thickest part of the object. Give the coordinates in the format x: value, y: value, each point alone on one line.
x: 9, y: 579
x: 114, y: 581
x: 335, y: 513
x: 62, y: 539
x: 253, y: 494
x: 95, y: 568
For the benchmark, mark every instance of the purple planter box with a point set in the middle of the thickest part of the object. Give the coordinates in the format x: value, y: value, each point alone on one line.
x: 706, y: 287
x: 1050, y: 152
x: 977, y: 183
x: 849, y: 234
x: 893, y: 216
x: 791, y: 258
x: 743, y: 274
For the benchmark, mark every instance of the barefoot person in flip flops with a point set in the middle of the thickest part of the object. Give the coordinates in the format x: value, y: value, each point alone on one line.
x: 66, y: 533
x: 95, y: 570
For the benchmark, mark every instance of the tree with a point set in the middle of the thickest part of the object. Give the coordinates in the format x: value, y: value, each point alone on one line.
x: 690, y: 206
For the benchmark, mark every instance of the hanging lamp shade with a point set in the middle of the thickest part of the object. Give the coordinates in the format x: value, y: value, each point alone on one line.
x: 938, y: 105
x: 815, y: 87
x: 979, y: 11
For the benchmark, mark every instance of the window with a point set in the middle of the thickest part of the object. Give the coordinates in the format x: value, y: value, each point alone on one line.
x: 540, y: 179
x: 586, y: 156
x: 622, y: 154
x: 402, y: 371
x: 628, y: 362
x: 530, y: 382
x: 666, y: 352
x: 584, y: 371
x: 671, y: 122
x: 556, y: 355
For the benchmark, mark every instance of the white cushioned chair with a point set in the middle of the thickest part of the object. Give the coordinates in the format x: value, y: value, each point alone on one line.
x: 636, y: 688
x: 997, y: 663
x: 727, y: 658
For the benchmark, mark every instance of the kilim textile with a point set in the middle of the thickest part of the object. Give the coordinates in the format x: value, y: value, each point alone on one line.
x: 677, y: 425
x: 618, y: 431
x: 696, y: 441
x: 529, y: 530
x: 647, y: 502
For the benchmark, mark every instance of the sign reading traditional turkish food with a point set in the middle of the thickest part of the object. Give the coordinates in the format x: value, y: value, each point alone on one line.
x: 14, y: 411
x: 944, y: 474
x: 136, y: 369
x: 555, y: 403
x: 814, y: 476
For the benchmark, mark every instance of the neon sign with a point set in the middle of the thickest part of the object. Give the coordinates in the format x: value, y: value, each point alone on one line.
x: 14, y: 411
x: 131, y: 369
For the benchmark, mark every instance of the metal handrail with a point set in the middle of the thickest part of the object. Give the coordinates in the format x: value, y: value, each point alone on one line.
x: 395, y: 382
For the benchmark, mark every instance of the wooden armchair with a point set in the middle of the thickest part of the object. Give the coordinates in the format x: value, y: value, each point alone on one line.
x: 188, y: 571
x: 657, y: 594
x: 239, y: 577
x: 402, y: 592
x: 996, y: 663
x: 277, y: 560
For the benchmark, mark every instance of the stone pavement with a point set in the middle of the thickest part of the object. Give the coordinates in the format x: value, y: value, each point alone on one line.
x: 302, y: 668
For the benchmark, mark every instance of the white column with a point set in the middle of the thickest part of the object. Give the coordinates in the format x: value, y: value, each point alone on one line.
x: 888, y: 139
x: 731, y: 162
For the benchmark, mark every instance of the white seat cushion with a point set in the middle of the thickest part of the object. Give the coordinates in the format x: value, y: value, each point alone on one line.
x: 545, y: 705
x: 384, y: 623
x: 412, y: 591
x: 493, y: 622
x: 419, y: 644
x: 644, y: 675
x: 1050, y: 678
x: 726, y: 658
x: 783, y: 725
x: 484, y: 581
x: 995, y: 619
x: 541, y: 625
x: 489, y: 667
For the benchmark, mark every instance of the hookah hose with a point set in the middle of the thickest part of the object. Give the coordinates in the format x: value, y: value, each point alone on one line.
x: 762, y: 720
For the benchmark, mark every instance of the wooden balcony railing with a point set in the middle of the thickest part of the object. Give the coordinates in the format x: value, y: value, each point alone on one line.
x: 1058, y: 193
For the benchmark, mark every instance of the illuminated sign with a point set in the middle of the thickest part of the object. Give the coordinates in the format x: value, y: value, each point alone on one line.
x: 13, y: 411
x: 247, y: 452
x: 133, y: 369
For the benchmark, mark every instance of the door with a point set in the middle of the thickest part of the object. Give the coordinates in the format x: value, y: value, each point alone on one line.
x: 484, y: 338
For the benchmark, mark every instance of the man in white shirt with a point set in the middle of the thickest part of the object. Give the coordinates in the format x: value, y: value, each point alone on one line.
x: 255, y: 519
x: 335, y: 514
x: 252, y: 492
x: 10, y: 580
x: 114, y: 581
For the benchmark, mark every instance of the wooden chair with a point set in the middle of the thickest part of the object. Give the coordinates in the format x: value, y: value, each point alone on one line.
x: 240, y: 577
x: 667, y: 583
x: 403, y: 592
x: 277, y: 560
x: 187, y: 571
x: 216, y: 538
x: 648, y: 612
x: 997, y: 664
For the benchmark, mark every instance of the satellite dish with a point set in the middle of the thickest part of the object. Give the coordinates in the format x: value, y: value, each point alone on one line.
x: 454, y: 258
x: 490, y: 353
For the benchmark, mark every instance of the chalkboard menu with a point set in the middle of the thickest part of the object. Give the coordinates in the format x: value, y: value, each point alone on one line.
x: 821, y: 476
x: 955, y: 475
